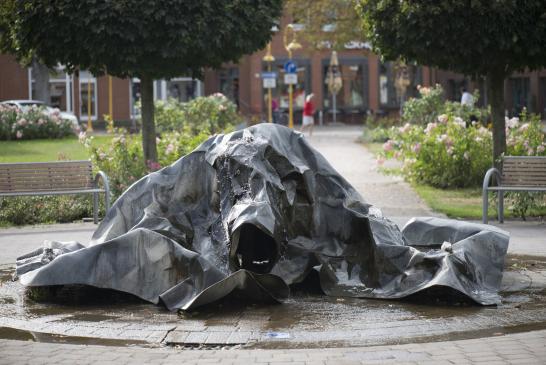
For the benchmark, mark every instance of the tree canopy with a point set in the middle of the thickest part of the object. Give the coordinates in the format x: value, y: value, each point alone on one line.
x: 140, y: 38
x: 135, y: 37
x: 330, y: 22
x: 471, y: 37
x: 492, y: 38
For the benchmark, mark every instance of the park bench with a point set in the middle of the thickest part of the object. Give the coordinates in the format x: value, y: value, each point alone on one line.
x: 54, y: 178
x: 518, y: 173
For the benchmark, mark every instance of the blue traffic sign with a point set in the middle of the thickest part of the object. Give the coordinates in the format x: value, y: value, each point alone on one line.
x: 269, y: 75
x: 290, y: 67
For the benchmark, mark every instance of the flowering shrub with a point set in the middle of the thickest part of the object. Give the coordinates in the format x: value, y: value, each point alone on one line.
x: 213, y: 113
x: 445, y: 153
x: 31, y: 124
x: 450, y: 153
x: 431, y: 104
x: 426, y: 108
x: 122, y: 160
x: 524, y: 136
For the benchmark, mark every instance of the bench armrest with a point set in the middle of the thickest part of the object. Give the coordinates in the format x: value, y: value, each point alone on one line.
x: 101, y: 175
x: 486, y: 180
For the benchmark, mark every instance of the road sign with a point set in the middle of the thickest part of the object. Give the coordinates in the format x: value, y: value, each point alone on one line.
x: 269, y: 83
x: 290, y: 67
x: 290, y: 79
x: 269, y: 75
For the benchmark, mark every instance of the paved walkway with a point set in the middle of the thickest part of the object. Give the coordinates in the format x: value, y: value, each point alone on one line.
x: 398, y: 202
x: 395, y: 197
x: 523, y: 348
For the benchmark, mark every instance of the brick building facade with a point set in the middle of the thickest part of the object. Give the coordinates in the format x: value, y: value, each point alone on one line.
x: 368, y: 86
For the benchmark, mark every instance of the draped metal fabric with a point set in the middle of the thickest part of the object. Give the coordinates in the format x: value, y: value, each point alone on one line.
x: 254, y: 211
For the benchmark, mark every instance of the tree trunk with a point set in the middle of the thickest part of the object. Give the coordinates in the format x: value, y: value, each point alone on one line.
x: 148, y: 123
x: 40, y: 73
x: 495, y: 90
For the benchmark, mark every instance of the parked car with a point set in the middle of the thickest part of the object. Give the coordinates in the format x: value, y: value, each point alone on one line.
x: 23, y: 105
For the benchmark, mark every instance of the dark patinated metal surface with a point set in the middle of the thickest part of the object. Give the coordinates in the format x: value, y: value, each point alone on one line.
x: 255, y: 211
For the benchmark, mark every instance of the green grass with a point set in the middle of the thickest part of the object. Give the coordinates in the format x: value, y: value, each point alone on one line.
x: 42, y: 150
x: 374, y: 147
x: 462, y: 203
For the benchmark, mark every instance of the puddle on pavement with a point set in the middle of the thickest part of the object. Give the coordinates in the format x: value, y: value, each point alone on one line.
x: 22, y: 335
x: 304, y: 312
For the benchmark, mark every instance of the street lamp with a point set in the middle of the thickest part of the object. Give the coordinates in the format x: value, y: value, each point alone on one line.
x: 290, y: 46
x: 269, y: 59
x: 334, y: 81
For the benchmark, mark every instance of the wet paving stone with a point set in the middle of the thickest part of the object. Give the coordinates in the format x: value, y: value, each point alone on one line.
x: 305, y: 320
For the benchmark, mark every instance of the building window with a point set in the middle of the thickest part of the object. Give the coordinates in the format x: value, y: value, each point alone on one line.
x: 88, y: 87
x: 387, y: 91
x: 520, y: 89
x: 229, y: 84
x: 353, y: 95
x: 134, y: 89
x: 60, y: 88
x: 182, y: 89
x: 542, y: 96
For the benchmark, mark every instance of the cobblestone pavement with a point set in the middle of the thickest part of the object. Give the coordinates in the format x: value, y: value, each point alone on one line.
x: 524, y: 348
x: 313, y: 322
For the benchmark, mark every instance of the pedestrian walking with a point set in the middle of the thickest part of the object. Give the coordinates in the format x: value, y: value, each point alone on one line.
x: 308, y: 111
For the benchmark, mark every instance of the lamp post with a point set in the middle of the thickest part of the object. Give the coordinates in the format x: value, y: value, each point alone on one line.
x: 334, y: 81
x: 269, y: 59
x: 290, y: 46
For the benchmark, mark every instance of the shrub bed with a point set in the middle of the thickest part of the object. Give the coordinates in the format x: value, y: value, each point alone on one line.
x: 33, y: 123
x: 183, y: 127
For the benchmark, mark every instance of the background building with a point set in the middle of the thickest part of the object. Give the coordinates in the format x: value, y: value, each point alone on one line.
x: 368, y: 86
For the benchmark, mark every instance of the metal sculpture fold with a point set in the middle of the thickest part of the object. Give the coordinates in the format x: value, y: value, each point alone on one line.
x: 255, y: 211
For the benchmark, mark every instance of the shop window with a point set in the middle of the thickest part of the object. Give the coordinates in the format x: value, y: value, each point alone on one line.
x: 60, y: 88
x: 135, y: 97
x: 542, y: 96
x: 182, y: 89
x: 520, y: 90
x: 354, y: 91
x: 387, y: 90
x: 229, y: 84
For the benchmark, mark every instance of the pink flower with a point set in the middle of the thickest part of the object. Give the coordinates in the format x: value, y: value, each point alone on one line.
x: 442, y: 118
x: 524, y: 127
x: 169, y: 149
x: 388, y: 146
x: 19, y: 134
x: 512, y: 123
x: 530, y: 152
x: 445, y: 139
x: 22, y: 122
x: 540, y: 148
x: 153, y: 166
x: 82, y: 136
x: 405, y: 128
x: 430, y: 127
x: 380, y: 160
x: 460, y: 122
x: 416, y: 147
x: 397, y: 154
